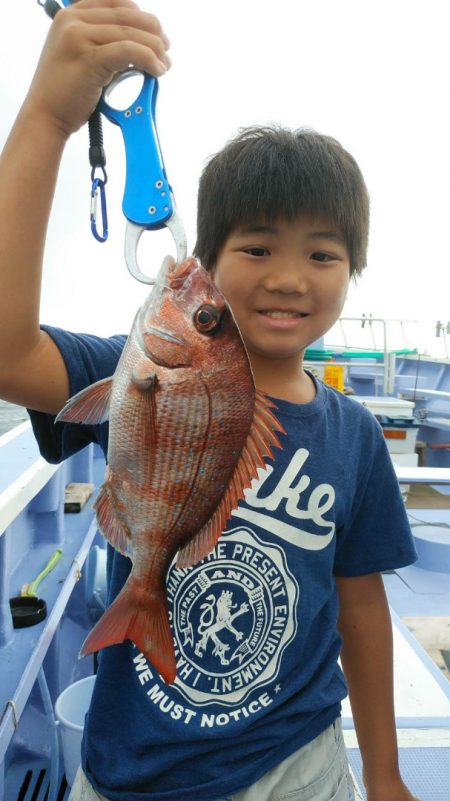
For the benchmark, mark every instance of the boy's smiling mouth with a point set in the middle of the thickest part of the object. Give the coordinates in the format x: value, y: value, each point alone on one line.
x: 281, y: 319
x: 279, y: 314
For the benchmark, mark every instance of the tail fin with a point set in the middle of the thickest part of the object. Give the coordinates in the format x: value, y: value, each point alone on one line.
x: 142, y: 619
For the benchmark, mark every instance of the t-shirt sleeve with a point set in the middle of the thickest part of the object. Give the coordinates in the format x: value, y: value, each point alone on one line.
x: 377, y: 535
x: 88, y: 359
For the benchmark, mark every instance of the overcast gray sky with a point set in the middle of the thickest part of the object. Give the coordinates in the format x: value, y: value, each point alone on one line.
x: 372, y: 73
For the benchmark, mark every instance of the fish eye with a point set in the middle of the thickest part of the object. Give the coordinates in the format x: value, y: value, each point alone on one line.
x: 207, y: 319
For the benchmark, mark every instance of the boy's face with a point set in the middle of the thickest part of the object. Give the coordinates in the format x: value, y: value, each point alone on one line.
x: 286, y: 283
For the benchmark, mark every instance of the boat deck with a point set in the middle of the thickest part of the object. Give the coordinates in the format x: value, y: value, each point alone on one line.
x: 422, y: 696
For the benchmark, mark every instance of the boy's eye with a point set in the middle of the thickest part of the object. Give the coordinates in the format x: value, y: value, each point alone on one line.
x: 256, y: 251
x: 320, y: 256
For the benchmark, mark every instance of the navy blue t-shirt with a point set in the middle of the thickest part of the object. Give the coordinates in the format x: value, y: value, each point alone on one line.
x: 254, y: 623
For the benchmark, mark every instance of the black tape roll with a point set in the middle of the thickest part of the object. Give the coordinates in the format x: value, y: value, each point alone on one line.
x: 27, y: 611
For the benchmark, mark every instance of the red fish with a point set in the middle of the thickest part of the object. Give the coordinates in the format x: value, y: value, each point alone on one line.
x: 187, y: 432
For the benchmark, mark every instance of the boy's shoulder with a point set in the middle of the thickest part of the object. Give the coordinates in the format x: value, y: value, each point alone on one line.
x: 355, y: 421
x: 351, y: 405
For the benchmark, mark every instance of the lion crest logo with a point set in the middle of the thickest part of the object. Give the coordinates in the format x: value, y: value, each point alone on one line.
x: 216, y: 615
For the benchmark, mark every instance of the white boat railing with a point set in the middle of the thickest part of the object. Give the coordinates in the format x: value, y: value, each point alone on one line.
x: 32, y: 525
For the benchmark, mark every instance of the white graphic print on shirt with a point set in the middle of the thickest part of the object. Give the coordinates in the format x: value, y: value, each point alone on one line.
x: 290, y: 487
x: 233, y: 616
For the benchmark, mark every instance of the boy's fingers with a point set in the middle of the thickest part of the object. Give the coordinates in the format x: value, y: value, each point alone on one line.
x: 116, y: 57
x: 103, y: 25
x: 120, y: 12
x: 101, y: 3
x: 100, y: 35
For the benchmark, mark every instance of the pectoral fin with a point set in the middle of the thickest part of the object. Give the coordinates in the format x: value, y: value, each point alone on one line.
x: 89, y: 406
x: 258, y: 445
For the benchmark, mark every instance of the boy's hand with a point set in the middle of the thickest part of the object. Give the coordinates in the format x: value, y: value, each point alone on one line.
x: 87, y: 44
x: 391, y: 790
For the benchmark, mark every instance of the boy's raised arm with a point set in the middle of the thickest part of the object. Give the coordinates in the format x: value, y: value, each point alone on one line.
x: 88, y: 43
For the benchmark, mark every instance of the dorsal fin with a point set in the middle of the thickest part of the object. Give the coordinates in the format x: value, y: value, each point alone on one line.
x: 260, y: 437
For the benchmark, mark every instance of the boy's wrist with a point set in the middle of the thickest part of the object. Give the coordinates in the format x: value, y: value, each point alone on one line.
x: 387, y: 786
x: 39, y: 121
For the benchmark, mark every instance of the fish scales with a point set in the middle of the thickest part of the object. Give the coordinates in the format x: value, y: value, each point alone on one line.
x: 187, y: 431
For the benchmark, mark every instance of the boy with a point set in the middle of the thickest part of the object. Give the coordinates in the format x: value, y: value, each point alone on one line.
x: 254, y: 713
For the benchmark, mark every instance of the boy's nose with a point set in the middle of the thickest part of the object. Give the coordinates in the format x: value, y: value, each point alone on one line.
x: 288, y: 276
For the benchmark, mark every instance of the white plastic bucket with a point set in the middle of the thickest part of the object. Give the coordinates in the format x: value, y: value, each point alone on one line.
x: 70, y: 708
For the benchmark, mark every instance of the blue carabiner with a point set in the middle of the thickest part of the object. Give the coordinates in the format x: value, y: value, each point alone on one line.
x: 98, y: 185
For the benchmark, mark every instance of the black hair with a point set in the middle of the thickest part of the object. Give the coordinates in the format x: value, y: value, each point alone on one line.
x: 269, y: 173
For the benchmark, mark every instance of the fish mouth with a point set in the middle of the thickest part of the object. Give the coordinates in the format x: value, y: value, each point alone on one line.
x: 179, y: 272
